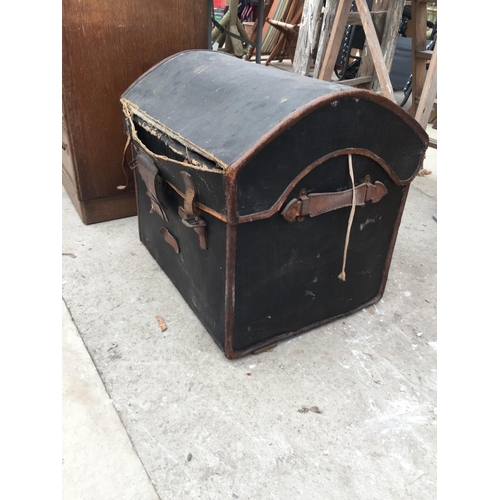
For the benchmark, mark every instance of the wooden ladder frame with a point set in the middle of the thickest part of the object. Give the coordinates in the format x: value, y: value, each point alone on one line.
x: 378, y: 54
x: 424, y: 81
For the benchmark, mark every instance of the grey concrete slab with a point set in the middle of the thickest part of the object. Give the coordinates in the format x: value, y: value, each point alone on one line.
x: 98, y: 461
x: 206, y: 427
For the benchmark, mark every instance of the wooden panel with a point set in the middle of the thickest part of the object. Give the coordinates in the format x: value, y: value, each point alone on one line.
x: 424, y: 54
x: 101, y: 209
x: 67, y: 160
x: 326, y: 29
x: 360, y: 80
x: 107, y: 45
x: 429, y: 92
x: 419, y: 22
x: 308, y: 34
x: 354, y: 20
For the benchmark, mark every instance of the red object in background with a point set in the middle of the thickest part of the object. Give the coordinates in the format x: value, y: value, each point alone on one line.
x: 220, y: 4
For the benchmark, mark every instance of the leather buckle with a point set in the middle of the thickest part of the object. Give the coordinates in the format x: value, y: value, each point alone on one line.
x: 197, y: 223
x: 303, y: 205
x: 193, y: 222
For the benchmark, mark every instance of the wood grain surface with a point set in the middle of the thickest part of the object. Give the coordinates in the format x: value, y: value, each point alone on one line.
x: 107, y: 45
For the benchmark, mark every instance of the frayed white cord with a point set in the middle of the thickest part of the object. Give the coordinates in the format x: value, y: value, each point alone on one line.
x: 351, y: 218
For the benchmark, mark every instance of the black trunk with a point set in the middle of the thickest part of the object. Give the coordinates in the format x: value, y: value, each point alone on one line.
x: 245, y: 192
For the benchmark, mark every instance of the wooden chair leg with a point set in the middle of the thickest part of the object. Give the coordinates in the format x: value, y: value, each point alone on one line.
x: 276, y: 49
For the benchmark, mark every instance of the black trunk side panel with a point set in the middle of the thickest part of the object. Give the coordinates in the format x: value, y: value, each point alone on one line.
x: 198, y: 274
x: 346, y: 123
x: 287, y: 272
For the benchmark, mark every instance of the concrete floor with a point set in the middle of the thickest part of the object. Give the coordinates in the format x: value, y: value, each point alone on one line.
x: 150, y: 415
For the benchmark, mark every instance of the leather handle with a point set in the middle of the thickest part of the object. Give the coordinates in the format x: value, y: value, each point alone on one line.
x: 316, y: 204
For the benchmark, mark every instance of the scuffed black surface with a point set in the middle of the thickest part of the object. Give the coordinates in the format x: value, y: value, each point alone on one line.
x: 347, y: 123
x: 220, y: 103
x: 198, y: 274
x: 209, y: 183
x: 287, y: 272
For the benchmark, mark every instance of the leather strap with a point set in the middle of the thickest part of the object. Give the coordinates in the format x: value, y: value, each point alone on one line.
x: 190, y: 213
x: 196, y: 223
x: 148, y: 172
x: 316, y: 204
x: 190, y: 194
x: 126, y: 167
x: 170, y: 239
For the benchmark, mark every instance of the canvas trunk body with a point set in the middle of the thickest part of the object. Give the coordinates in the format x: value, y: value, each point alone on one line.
x: 245, y: 195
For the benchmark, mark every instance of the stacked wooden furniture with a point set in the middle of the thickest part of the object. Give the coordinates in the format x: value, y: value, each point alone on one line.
x: 322, y: 32
x: 277, y: 11
x: 424, y: 80
x: 288, y: 28
x: 107, y: 45
x: 229, y: 32
x: 257, y: 32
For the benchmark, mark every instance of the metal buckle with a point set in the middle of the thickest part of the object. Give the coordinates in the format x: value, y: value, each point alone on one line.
x: 197, y: 224
x: 193, y: 222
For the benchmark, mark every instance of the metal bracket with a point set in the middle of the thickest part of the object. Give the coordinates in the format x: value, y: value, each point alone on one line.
x: 197, y: 223
x: 190, y: 213
x: 193, y: 222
